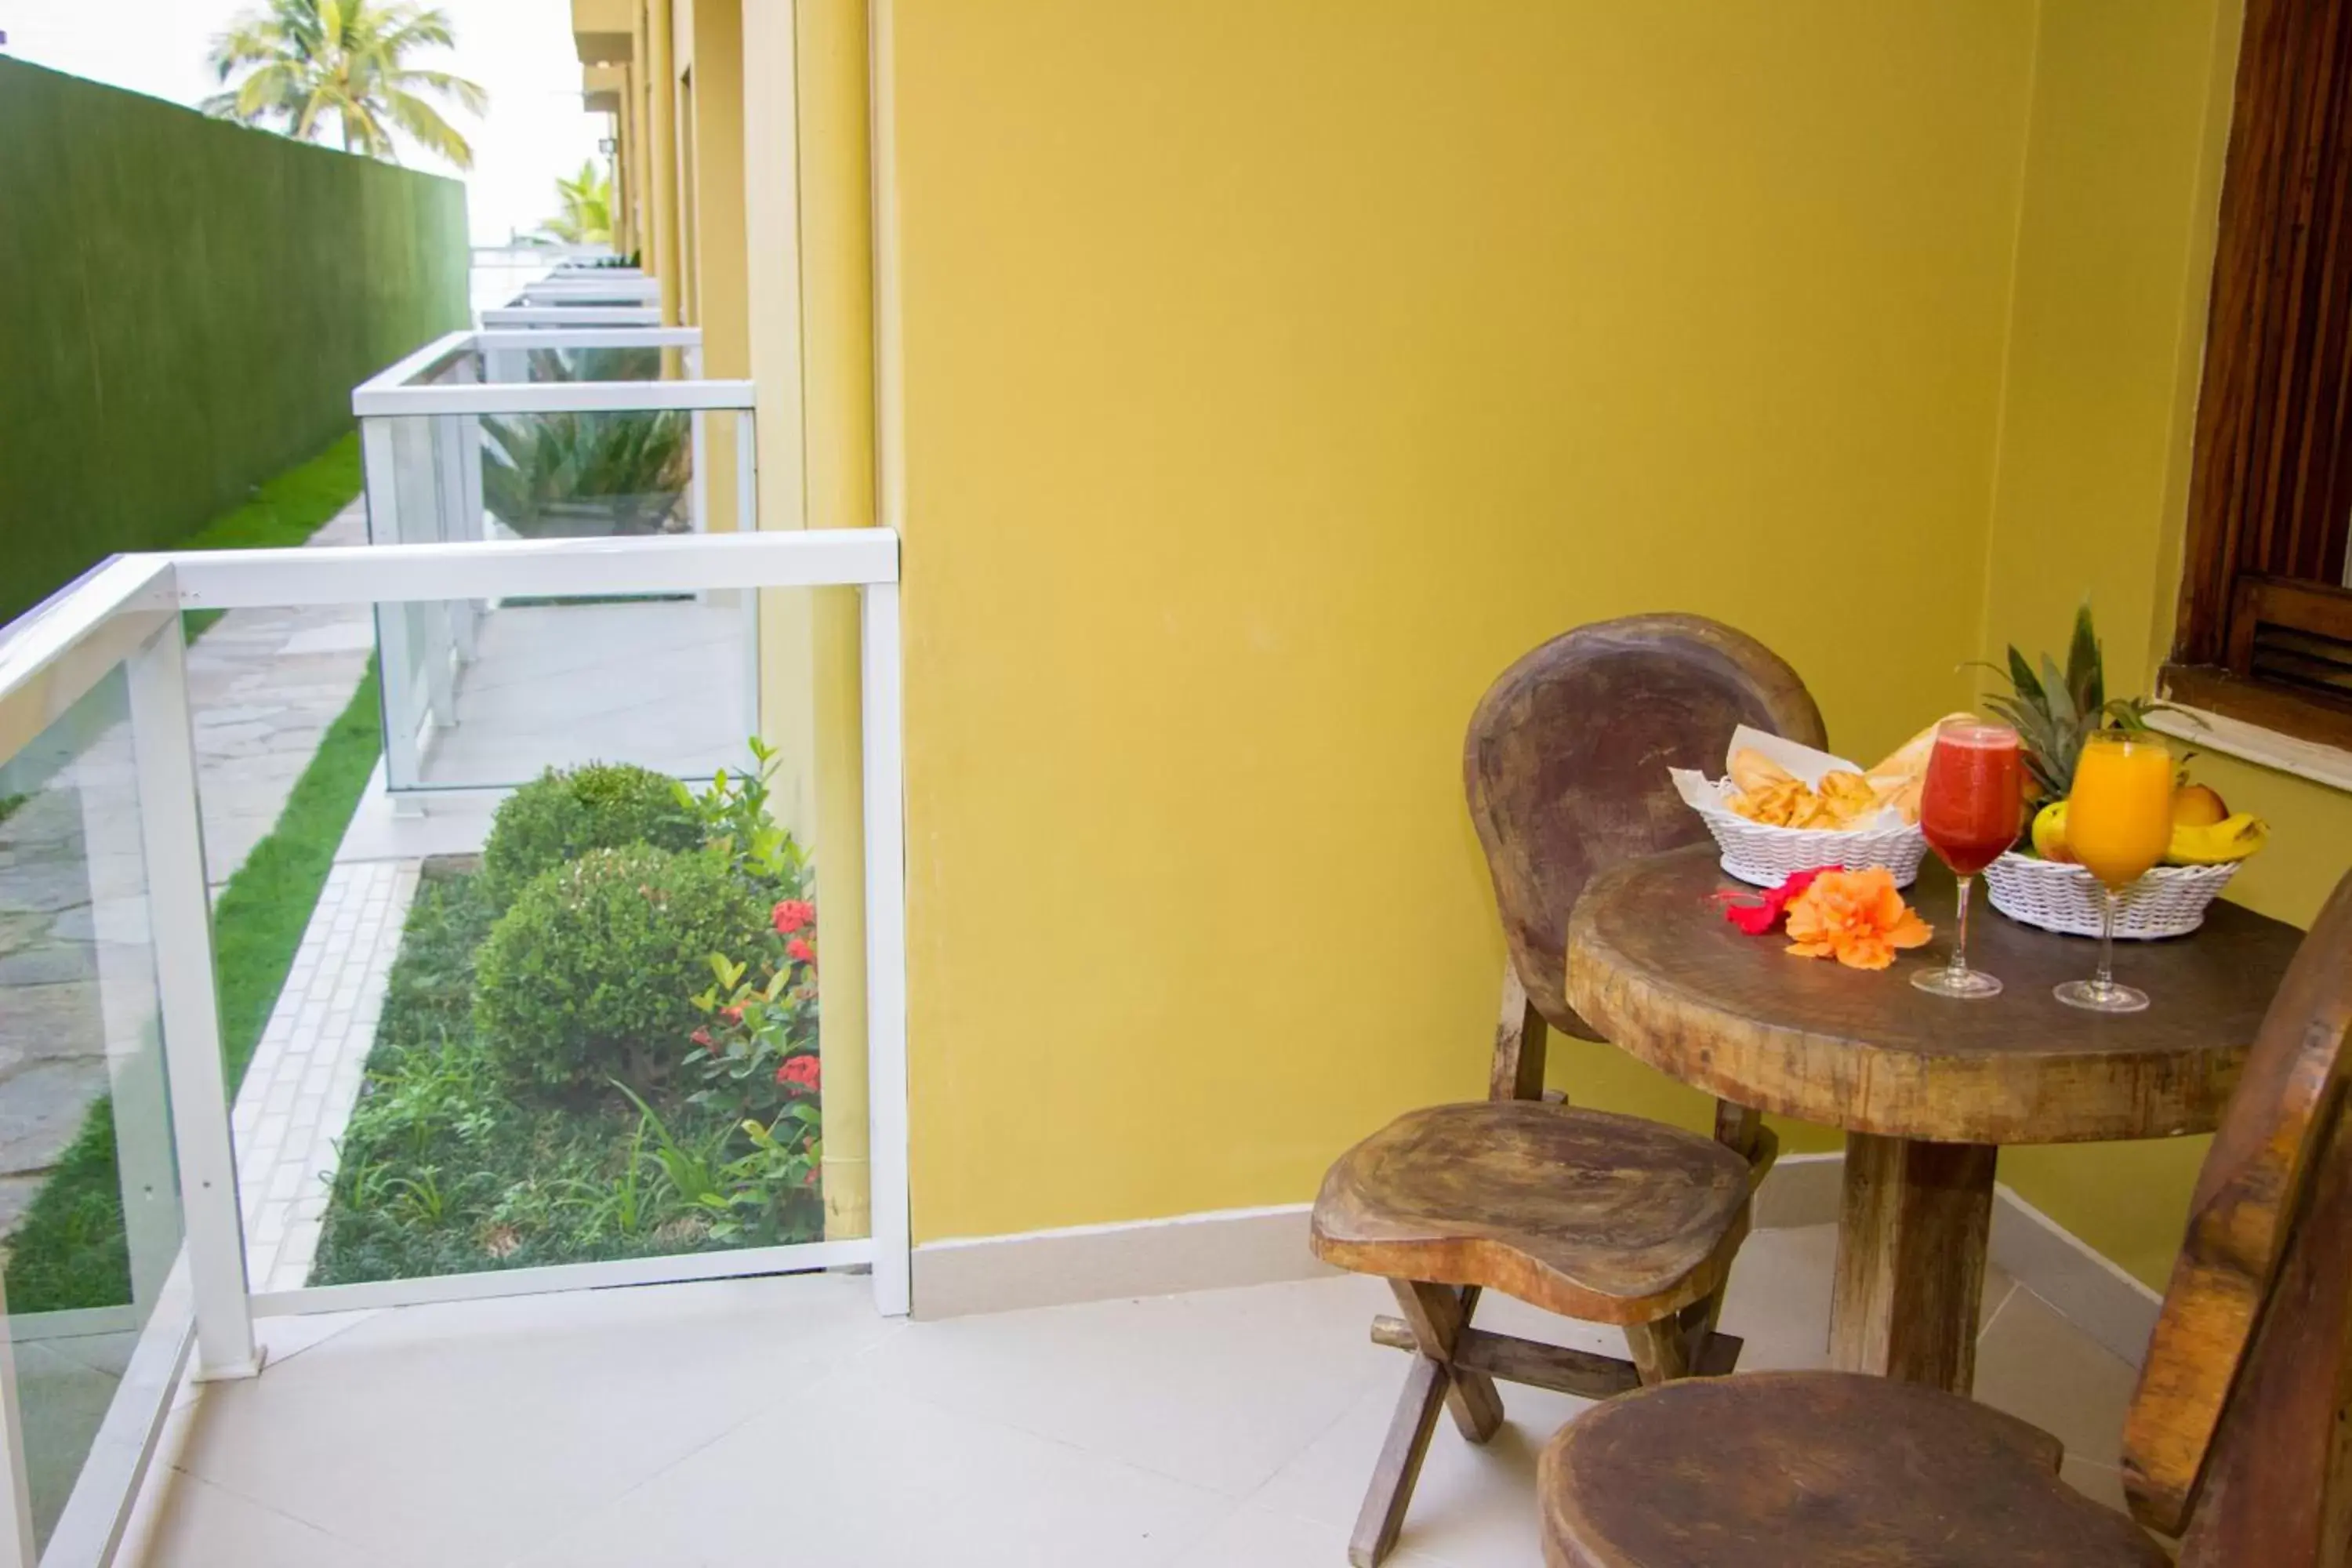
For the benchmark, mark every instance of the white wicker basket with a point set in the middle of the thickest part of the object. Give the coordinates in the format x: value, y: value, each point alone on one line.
x: 1765, y: 856
x: 2169, y: 901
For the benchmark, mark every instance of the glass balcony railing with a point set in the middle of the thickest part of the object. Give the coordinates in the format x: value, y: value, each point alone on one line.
x: 381, y: 1141
x: 559, y: 432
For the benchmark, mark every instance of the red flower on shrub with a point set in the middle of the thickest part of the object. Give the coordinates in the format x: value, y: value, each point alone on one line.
x: 802, y: 1074
x: 799, y: 948
x: 793, y: 914
x: 702, y: 1037
x: 733, y: 1012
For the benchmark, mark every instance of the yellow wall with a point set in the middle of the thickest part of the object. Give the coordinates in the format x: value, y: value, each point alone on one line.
x: 712, y: 157
x: 661, y: 155
x: 1275, y: 372
x: 812, y: 267
x: 2114, y: 260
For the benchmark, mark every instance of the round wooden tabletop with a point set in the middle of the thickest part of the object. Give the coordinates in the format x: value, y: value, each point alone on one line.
x: 1656, y: 967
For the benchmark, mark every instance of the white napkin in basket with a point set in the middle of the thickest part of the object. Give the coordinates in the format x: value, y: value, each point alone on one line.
x: 1708, y: 796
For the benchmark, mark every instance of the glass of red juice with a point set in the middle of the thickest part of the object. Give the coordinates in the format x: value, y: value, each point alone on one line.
x: 1969, y: 810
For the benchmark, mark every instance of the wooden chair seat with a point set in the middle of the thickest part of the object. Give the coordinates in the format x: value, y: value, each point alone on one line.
x: 1818, y: 1470
x: 1609, y: 1219
x: 1594, y: 1216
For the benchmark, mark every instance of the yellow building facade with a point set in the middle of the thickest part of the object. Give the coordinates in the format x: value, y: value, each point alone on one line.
x: 1251, y: 380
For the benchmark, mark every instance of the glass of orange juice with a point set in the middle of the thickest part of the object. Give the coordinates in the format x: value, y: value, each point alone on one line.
x: 2118, y: 821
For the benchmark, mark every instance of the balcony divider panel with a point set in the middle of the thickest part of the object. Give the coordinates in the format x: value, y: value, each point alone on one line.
x: 127, y: 613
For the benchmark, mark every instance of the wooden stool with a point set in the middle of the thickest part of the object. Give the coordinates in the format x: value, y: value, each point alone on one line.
x: 2234, y: 1435
x: 1607, y: 1218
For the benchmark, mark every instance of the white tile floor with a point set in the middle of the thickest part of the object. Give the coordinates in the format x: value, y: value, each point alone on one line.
x: 779, y: 1422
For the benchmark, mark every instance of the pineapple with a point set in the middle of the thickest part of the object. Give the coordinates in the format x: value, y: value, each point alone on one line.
x: 2054, y: 714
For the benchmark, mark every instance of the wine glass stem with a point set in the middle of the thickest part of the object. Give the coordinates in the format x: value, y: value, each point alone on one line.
x: 1959, y: 965
x: 2106, y: 981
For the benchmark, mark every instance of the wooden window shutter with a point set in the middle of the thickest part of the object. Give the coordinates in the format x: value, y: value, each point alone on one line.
x: 2263, y: 597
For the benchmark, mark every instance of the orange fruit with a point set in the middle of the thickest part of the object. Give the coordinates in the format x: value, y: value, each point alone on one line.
x: 2198, y: 805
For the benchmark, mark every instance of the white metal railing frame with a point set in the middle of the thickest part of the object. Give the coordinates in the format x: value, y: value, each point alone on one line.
x: 573, y: 316
x: 127, y: 613
x: 496, y: 346
x: 587, y: 288
x: 456, y: 380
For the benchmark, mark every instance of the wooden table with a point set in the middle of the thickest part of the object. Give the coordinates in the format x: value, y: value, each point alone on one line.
x: 1926, y: 1088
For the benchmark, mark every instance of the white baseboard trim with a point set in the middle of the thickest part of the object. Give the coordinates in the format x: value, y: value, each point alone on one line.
x: 2081, y: 1284
x: 1105, y: 1262
x: 1228, y: 1247
x: 1800, y: 1189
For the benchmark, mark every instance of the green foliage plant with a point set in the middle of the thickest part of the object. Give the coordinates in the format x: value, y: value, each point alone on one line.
x: 583, y: 207
x: 305, y: 65
x: 767, y: 1194
x: 732, y: 810
x: 582, y: 1071
x: 587, y: 474
x: 2054, y: 711
x: 560, y: 816
x: 591, y: 972
x: 756, y: 1051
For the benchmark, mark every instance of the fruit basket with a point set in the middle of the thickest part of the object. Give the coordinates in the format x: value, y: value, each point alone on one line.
x: 1764, y: 856
x: 2169, y: 901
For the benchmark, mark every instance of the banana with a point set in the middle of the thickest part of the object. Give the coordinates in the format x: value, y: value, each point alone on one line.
x: 2234, y: 838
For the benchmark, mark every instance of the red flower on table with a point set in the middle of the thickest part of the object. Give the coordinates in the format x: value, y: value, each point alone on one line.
x: 794, y: 914
x: 1758, y: 918
x: 802, y: 1074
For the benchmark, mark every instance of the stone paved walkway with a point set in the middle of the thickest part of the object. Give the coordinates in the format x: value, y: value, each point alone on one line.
x: 264, y: 686
x: 77, y: 983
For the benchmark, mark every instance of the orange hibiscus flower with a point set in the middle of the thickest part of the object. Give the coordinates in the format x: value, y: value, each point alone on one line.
x: 1854, y: 917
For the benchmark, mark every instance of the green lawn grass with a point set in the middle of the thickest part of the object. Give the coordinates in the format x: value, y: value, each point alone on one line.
x: 262, y: 913
x: 283, y: 513
x: 69, y: 1251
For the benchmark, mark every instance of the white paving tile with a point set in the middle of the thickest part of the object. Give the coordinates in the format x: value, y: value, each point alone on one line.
x: 470, y: 1433
x: 198, y: 1525
x: 1235, y: 1380
x: 846, y: 1472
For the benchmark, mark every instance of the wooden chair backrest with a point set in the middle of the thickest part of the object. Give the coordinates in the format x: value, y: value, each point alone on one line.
x: 2233, y: 1432
x: 1567, y: 756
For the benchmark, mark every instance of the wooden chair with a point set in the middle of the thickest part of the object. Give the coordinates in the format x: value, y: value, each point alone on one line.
x: 1607, y: 1218
x: 2236, y: 1436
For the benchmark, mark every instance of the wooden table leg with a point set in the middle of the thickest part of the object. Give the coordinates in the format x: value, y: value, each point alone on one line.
x: 1911, y: 1258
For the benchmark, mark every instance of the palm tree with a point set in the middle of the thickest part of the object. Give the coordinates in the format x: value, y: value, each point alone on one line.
x: 306, y: 61
x: 587, y: 214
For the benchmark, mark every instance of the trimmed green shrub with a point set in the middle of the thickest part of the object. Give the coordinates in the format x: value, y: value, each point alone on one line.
x: 560, y: 816
x: 589, y: 974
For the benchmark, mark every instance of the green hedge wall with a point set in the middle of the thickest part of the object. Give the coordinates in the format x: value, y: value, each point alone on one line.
x: 184, y: 308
